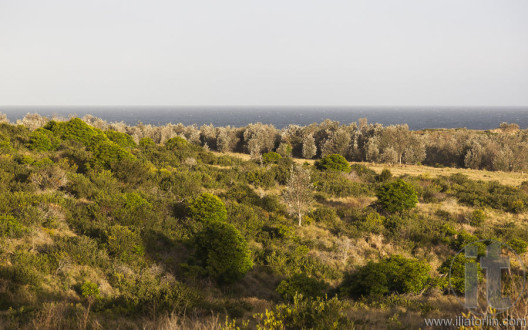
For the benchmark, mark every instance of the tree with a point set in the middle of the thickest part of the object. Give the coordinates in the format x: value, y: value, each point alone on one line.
x: 298, y: 194
x: 223, y: 140
x: 337, y: 143
x: 334, y: 162
x: 397, y: 196
x: 399, y: 138
x: 309, y: 149
x: 208, y: 207
x: 223, y: 252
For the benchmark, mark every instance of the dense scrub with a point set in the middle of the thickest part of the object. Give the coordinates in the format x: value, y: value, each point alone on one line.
x: 501, y: 149
x: 100, y: 228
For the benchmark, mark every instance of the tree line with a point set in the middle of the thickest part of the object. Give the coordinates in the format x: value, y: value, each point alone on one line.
x: 501, y: 149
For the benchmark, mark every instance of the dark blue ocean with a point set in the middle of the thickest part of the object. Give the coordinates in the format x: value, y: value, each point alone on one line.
x: 416, y: 118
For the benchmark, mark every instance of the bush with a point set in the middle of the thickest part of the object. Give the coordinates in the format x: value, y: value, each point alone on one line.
x: 371, y: 222
x: 518, y: 245
x: 89, y: 290
x: 146, y: 142
x: 208, y: 207
x: 477, y: 217
x: 122, y: 139
x: 395, y: 274
x: 271, y: 157
x: 176, y: 143
x: 364, y: 172
x: 223, y: 252
x: 454, y: 272
x: 74, y: 129
x: 300, y: 283
x: 337, y: 185
x: 397, y: 196
x: 107, y: 153
x: 261, y: 178
x: 305, y: 313
x: 385, y: 175
x: 123, y: 243
x: 334, y: 162
x: 325, y: 215
x: 5, y: 143
x: 41, y: 140
x: 10, y: 227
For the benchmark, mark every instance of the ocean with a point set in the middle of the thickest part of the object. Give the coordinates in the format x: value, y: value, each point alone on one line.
x: 416, y: 117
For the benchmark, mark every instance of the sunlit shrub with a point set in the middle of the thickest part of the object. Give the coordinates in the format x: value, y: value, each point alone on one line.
x: 334, y: 162
x: 393, y: 274
x: 223, y: 252
x: 397, y: 196
x: 207, y: 207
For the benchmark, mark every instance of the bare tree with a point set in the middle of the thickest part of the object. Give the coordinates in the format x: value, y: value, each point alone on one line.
x: 3, y: 118
x: 298, y: 194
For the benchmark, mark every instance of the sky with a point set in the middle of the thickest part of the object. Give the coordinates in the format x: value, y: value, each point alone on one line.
x: 264, y: 52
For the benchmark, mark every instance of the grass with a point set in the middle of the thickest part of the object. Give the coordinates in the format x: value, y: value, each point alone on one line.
x: 506, y: 178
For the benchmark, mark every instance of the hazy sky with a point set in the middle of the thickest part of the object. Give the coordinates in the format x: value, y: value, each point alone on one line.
x: 264, y: 52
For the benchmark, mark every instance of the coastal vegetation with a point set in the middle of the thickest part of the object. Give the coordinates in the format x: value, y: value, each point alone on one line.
x: 327, y: 226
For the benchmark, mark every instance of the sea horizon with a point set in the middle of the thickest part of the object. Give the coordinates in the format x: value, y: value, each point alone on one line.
x: 417, y: 117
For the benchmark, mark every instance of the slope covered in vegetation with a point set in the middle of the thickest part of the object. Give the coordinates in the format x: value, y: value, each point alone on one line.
x: 100, y: 228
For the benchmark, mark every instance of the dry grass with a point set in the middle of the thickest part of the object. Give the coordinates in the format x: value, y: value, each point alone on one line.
x: 507, y: 178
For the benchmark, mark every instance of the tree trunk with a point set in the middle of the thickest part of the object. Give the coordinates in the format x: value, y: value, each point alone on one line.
x: 300, y: 219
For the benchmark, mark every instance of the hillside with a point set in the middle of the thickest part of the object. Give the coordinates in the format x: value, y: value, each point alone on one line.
x: 102, y: 230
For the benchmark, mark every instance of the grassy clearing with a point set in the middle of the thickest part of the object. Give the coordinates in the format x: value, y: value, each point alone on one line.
x: 507, y: 178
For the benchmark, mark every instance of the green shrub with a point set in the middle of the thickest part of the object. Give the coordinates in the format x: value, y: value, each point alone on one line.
x: 261, y: 178
x: 337, y: 185
x: 397, y: 196
x: 385, y: 175
x: 146, y: 142
x: 247, y: 219
x: 464, y: 238
x: 223, y: 252
x: 325, y: 215
x: 122, y: 139
x: 454, y: 272
x: 41, y: 140
x: 334, y: 162
x: 364, y: 172
x: 123, y: 243
x: 518, y: 245
x: 133, y: 210
x: 371, y: 222
x: 300, y: 283
x: 272, y: 203
x: 305, y: 313
x: 271, y: 157
x: 176, y: 143
x: 11, y: 227
x: 107, y: 153
x: 208, y: 207
x: 395, y: 274
x: 89, y: 290
x: 477, y: 217
x: 74, y: 129
x: 5, y: 143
